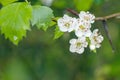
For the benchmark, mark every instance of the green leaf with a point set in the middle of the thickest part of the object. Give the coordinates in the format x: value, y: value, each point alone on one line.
x: 42, y: 16
x: 58, y: 33
x: 94, y: 51
x: 14, y: 21
x: 52, y: 23
x: 5, y: 2
x: 83, y: 4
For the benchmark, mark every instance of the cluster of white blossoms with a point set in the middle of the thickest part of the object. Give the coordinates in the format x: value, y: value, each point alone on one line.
x: 82, y: 28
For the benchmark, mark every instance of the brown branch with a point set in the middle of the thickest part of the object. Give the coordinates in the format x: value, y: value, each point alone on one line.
x: 108, y: 35
x: 97, y: 18
x: 72, y: 11
x: 108, y: 17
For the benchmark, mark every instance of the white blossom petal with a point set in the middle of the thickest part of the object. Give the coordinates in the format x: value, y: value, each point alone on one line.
x: 80, y: 51
x: 95, y: 40
x: 72, y: 49
x: 86, y: 16
x: 79, y: 33
x: 78, y: 45
x: 66, y: 23
x: 72, y: 41
x: 88, y: 33
x: 92, y: 47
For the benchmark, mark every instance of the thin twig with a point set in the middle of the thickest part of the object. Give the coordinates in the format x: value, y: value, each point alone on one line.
x: 72, y: 11
x: 108, y: 17
x: 97, y: 18
x: 107, y: 34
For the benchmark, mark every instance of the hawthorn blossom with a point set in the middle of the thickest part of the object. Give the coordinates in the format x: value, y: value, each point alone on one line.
x: 82, y: 28
x: 66, y: 23
x: 95, y: 40
x: 78, y: 45
x: 86, y: 17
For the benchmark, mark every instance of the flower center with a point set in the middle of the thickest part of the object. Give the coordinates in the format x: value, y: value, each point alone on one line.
x: 95, y: 38
x: 67, y: 25
x: 81, y: 27
x: 78, y: 44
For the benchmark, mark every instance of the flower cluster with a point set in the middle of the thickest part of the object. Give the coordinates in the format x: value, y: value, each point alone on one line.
x: 82, y: 28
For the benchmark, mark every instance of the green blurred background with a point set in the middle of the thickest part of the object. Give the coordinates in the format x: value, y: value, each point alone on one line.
x: 39, y: 57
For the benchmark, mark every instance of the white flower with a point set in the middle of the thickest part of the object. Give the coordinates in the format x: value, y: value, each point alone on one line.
x: 87, y: 17
x: 66, y: 23
x: 78, y: 45
x: 95, y: 40
x: 82, y: 28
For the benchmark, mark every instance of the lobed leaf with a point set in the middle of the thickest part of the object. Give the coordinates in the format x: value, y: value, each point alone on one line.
x: 42, y: 17
x: 14, y: 21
